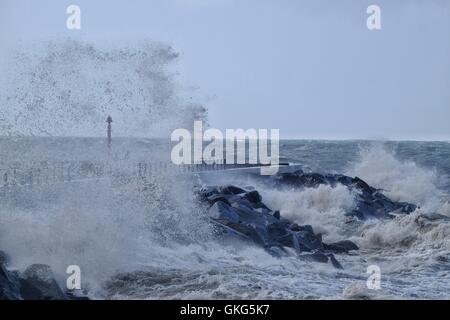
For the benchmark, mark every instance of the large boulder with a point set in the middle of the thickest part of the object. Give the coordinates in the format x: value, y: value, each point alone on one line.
x: 241, y: 214
x: 9, y: 284
x: 38, y: 283
x: 341, y: 246
x: 35, y: 283
x: 4, y: 258
x: 222, y: 211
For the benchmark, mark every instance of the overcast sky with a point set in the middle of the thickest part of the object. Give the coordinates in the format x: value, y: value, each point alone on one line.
x: 310, y: 68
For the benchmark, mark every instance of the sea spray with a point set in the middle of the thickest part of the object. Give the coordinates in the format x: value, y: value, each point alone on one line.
x: 136, y: 238
x: 59, y: 89
x: 68, y: 88
x: 402, y: 180
x: 323, y: 208
x: 104, y: 226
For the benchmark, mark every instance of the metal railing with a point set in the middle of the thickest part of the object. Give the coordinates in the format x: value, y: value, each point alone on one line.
x: 50, y: 173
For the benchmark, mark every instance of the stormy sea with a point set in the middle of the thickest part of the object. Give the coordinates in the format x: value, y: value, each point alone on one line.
x: 153, y: 239
x: 139, y: 227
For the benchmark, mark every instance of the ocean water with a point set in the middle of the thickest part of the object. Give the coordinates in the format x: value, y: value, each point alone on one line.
x: 152, y: 240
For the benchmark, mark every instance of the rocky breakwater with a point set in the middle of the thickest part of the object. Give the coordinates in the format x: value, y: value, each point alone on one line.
x: 369, y: 202
x: 240, y: 213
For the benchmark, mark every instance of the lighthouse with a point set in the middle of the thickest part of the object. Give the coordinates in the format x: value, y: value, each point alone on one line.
x: 109, y: 121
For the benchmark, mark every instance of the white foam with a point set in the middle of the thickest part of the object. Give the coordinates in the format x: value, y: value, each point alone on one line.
x: 400, y: 180
x: 323, y: 207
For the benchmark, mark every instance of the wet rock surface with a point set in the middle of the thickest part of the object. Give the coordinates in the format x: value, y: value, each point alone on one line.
x: 9, y: 282
x: 369, y: 202
x: 37, y: 282
x: 241, y: 213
